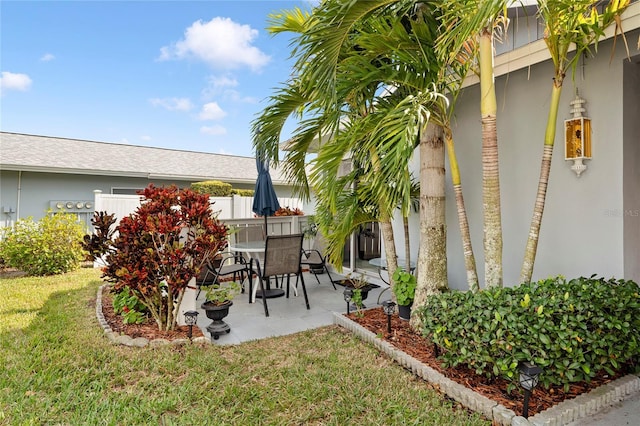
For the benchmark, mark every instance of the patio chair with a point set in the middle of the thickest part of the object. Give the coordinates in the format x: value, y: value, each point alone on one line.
x: 244, y: 234
x: 223, y: 264
x: 281, y: 258
x: 313, y: 259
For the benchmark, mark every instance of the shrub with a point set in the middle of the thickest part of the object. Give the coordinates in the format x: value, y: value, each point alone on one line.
x: 160, y: 247
x: 212, y: 188
x: 243, y: 192
x: 47, y: 247
x: 573, y: 330
x: 286, y: 211
x: 126, y: 304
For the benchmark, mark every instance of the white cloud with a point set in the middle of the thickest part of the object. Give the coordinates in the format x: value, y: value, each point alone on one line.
x: 172, y: 104
x: 145, y: 138
x: 47, y: 57
x: 14, y: 81
x: 213, y: 130
x: 221, y: 43
x: 211, y: 111
x: 220, y: 82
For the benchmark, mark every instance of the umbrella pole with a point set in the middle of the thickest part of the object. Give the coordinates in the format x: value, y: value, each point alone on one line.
x: 266, y: 232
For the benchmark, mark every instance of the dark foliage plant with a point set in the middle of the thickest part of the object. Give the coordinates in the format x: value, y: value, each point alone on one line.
x: 161, y: 246
x: 572, y: 329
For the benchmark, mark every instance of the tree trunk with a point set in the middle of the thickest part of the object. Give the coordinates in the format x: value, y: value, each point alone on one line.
x: 490, y: 167
x: 463, y: 222
x: 407, y: 246
x: 389, y: 247
x: 543, y: 181
x: 432, y: 263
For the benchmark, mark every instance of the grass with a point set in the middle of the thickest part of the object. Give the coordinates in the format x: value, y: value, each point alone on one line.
x: 58, y: 368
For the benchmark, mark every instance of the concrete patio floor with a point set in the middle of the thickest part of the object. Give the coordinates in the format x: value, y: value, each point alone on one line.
x: 286, y: 316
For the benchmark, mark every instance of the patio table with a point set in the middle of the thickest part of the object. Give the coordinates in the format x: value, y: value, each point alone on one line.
x: 254, y: 249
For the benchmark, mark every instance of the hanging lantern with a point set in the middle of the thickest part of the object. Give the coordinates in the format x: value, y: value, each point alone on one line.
x: 577, y: 136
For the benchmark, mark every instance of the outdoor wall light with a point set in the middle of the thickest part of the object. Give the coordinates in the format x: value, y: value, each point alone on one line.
x: 190, y: 318
x: 348, y: 295
x: 577, y: 136
x: 389, y: 308
x: 529, y: 377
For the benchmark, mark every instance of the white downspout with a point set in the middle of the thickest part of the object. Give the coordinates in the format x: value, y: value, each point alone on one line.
x: 18, y: 195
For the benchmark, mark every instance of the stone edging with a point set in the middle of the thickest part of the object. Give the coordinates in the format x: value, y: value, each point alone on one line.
x: 566, y: 412
x: 123, y: 339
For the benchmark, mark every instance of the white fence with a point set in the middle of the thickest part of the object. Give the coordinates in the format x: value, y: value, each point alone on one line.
x: 234, y: 207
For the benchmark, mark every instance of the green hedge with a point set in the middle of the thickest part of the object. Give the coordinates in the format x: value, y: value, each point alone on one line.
x: 242, y: 192
x: 213, y: 188
x: 573, y: 329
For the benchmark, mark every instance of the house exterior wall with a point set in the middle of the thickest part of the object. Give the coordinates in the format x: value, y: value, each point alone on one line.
x: 36, y: 190
x: 631, y: 168
x: 581, y: 232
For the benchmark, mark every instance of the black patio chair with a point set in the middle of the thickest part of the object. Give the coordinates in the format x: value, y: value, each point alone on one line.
x: 281, y: 258
x: 223, y: 264
x: 314, y: 259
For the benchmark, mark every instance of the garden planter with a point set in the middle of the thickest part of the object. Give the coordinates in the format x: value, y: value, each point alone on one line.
x: 404, y: 312
x: 364, y: 291
x: 217, y: 313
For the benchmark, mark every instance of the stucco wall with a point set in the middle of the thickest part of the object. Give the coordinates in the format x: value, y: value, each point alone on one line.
x: 631, y: 169
x: 37, y: 189
x: 581, y: 232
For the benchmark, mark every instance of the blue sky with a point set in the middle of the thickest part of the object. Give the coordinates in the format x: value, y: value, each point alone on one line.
x: 187, y: 75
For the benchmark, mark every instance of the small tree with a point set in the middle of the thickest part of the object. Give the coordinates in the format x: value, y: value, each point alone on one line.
x: 161, y: 246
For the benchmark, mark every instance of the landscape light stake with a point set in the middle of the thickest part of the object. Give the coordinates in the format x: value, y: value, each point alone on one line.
x: 190, y: 318
x: 348, y: 294
x: 529, y: 377
x: 389, y: 308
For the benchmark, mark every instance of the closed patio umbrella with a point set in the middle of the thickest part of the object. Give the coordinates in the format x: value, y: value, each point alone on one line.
x: 265, y: 201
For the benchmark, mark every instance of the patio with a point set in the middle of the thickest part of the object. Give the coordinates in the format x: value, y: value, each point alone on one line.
x: 286, y: 316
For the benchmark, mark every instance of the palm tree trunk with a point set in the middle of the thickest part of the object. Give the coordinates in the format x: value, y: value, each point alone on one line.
x: 407, y: 246
x: 543, y: 181
x: 469, y: 258
x: 490, y: 167
x: 386, y: 229
x: 432, y: 263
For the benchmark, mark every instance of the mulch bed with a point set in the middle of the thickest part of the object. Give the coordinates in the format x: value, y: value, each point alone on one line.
x: 405, y: 339
x: 148, y: 330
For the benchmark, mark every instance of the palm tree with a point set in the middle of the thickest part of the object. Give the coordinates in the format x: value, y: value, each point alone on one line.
x: 475, y: 21
x: 568, y: 23
x: 417, y: 53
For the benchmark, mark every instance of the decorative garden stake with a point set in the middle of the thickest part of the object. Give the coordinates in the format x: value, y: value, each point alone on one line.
x: 190, y: 318
x: 529, y: 376
x: 348, y: 294
x: 389, y: 308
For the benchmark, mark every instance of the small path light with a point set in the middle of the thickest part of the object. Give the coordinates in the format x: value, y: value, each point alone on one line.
x: 190, y: 318
x: 529, y: 377
x: 389, y: 308
x: 348, y: 295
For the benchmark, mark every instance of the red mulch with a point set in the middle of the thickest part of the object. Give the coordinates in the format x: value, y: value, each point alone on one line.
x: 148, y: 330
x: 404, y: 338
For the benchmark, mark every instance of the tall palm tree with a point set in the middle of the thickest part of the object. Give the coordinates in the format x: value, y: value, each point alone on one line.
x: 567, y: 23
x: 476, y: 21
x: 416, y: 79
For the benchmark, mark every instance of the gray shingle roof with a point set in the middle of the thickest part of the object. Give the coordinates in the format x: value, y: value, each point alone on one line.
x: 61, y: 155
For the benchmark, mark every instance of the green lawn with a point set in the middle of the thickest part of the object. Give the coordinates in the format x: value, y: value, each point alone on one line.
x: 58, y: 368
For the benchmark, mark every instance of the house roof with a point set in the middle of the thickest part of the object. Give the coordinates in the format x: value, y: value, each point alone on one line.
x: 22, y: 152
